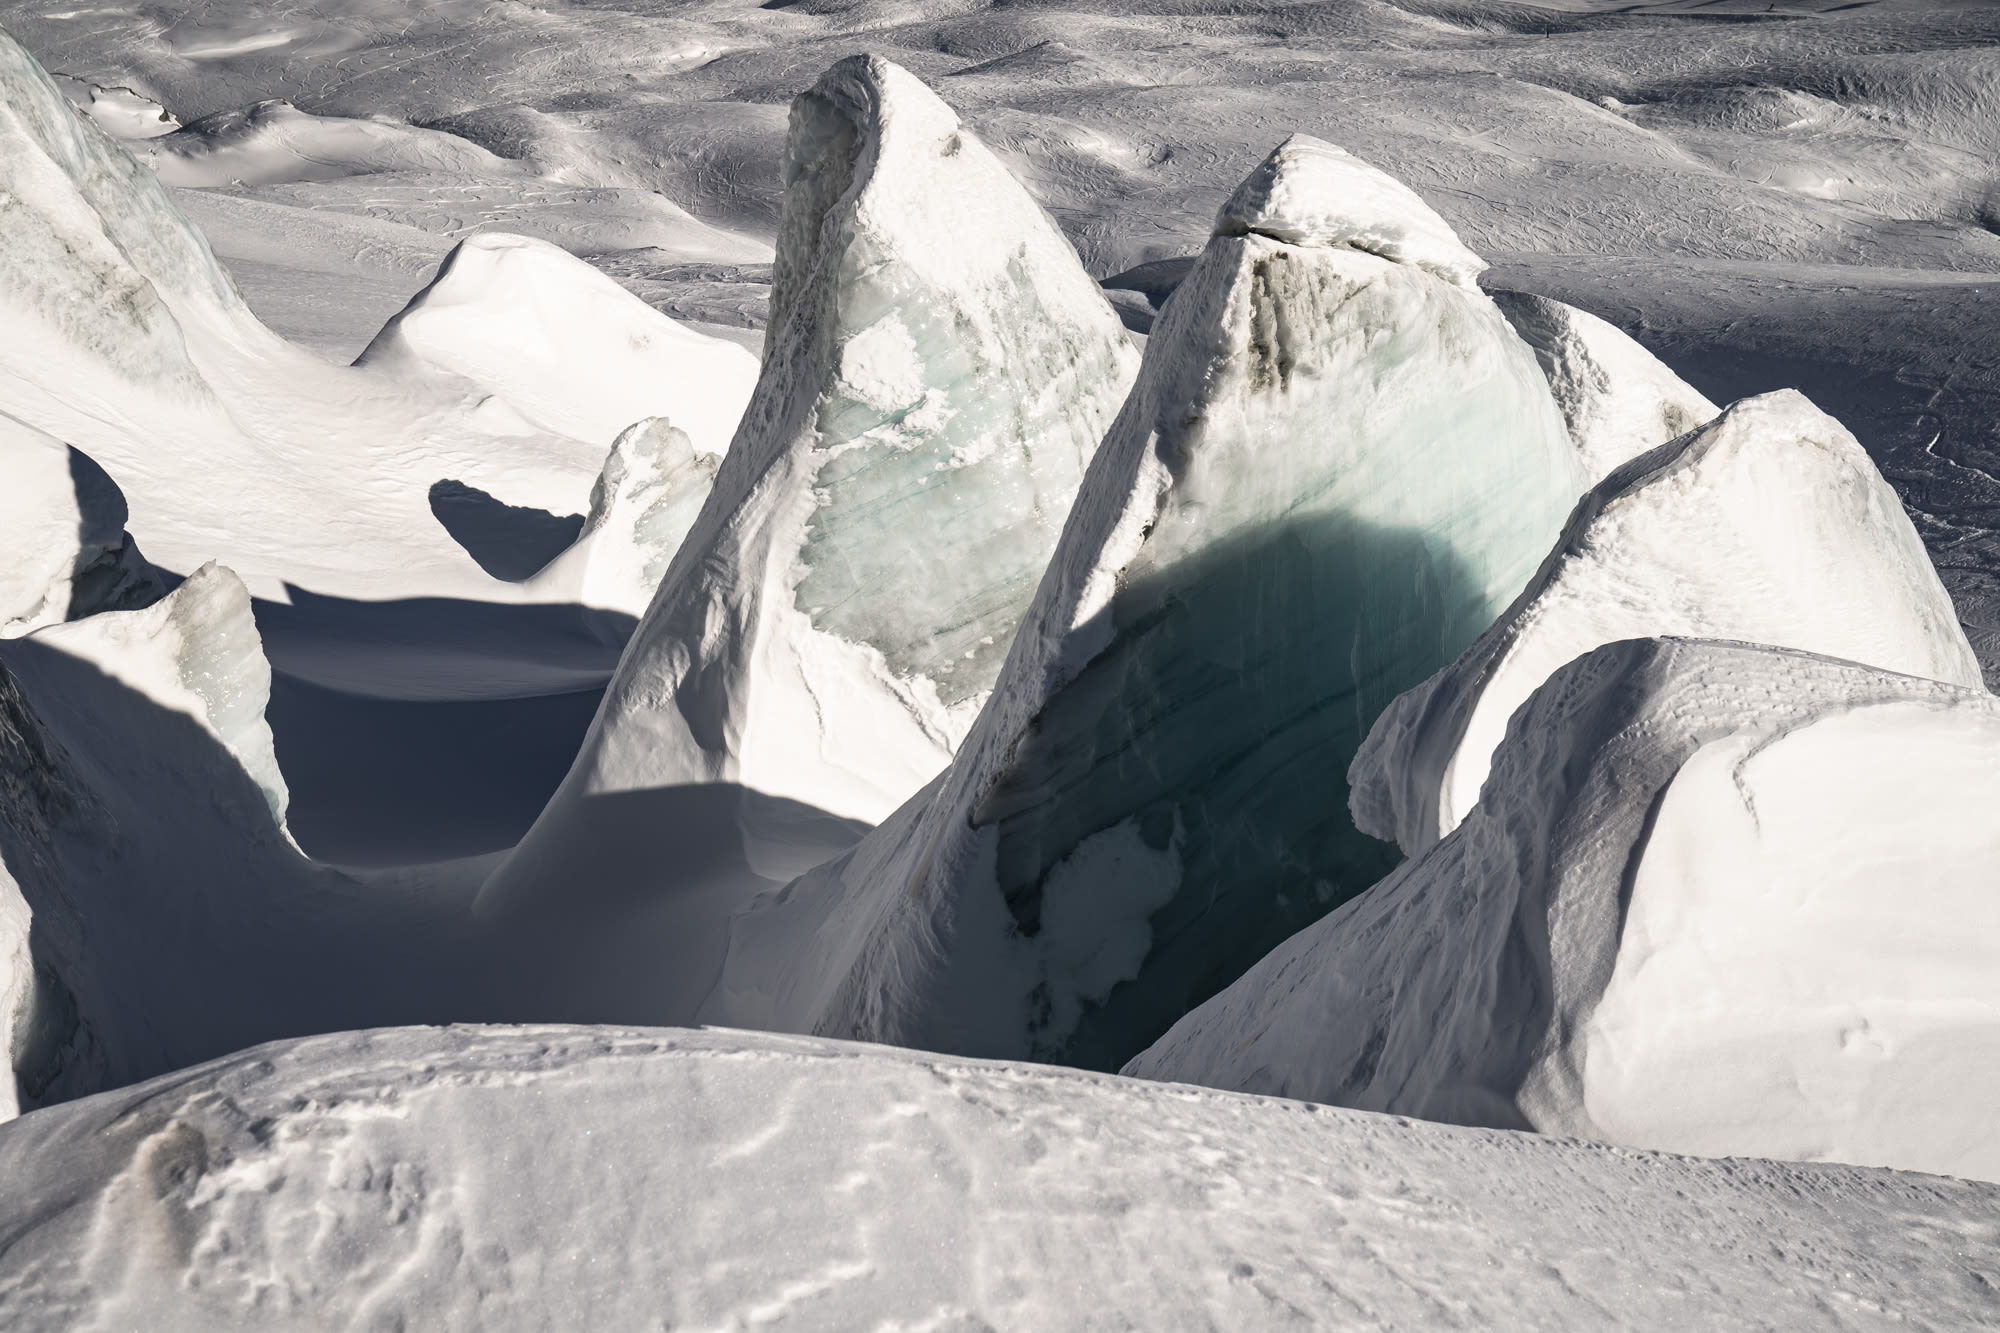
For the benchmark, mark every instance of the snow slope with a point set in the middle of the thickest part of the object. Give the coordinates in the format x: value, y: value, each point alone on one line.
x: 938, y: 370
x: 1715, y: 898
x: 1337, y: 466
x: 610, y: 1178
x: 62, y: 521
x: 1768, y: 525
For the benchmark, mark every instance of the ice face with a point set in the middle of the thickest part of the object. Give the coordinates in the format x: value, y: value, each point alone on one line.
x: 62, y: 521
x: 1769, y: 525
x: 963, y: 376
x: 1716, y: 898
x: 1334, y: 470
x: 652, y: 488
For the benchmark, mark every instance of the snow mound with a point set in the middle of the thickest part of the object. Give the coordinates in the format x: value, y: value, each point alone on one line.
x: 564, y: 346
x: 62, y: 521
x: 1769, y: 525
x: 1715, y: 898
x: 1310, y: 193
x: 196, y: 652
x: 615, y: 1178
x: 937, y: 371
x: 273, y: 141
x: 1334, y: 471
x: 1615, y: 396
x: 648, y: 496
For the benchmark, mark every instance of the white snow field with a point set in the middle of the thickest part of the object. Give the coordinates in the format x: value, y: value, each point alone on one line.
x: 538, y: 1177
x: 1768, y: 525
x: 1715, y: 897
x: 1337, y: 466
x: 412, y: 345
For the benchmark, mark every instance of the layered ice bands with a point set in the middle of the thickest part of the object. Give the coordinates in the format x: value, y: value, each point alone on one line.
x: 1334, y: 470
x: 937, y: 372
x: 1715, y: 898
x: 1769, y: 525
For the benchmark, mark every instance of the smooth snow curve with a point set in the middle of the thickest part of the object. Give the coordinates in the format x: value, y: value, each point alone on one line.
x: 1769, y: 525
x: 937, y: 372
x: 1715, y: 898
x: 64, y: 551
x: 541, y: 1177
x: 1335, y: 469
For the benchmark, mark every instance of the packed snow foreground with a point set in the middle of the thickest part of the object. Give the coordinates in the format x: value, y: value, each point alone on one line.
x: 1000, y: 691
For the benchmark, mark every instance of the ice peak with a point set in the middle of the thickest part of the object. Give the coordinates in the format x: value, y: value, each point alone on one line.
x: 872, y: 92
x: 1308, y: 192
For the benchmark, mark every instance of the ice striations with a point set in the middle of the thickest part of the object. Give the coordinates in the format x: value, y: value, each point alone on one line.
x: 1769, y: 525
x: 937, y: 371
x: 1615, y: 396
x: 1338, y: 464
x: 1715, y: 898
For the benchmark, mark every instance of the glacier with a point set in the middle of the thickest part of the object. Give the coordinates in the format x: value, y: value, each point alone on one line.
x: 64, y: 550
x: 937, y: 371
x: 1720, y: 898
x: 1769, y: 525
x: 1339, y: 463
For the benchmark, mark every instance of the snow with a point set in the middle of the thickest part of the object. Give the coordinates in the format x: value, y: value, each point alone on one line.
x: 937, y: 372
x: 612, y: 1177
x: 1715, y: 897
x: 1768, y: 525
x: 1335, y: 469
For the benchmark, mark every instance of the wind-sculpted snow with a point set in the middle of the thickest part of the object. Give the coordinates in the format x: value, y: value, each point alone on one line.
x: 1335, y: 469
x: 564, y: 346
x: 1615, y: 396
x: 1714, y: 898
x: 64, y: 551
x: 541, y: 1177
x: 937, y: 371
x: 1769, y: 525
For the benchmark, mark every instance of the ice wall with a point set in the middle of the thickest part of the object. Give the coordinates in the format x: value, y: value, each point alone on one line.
x: 1617, y: 399
x: 937, y: 371
x: 1715, y: 898
x: 1338, y: 464
x: 64, y: 551
x: 1769, y: 525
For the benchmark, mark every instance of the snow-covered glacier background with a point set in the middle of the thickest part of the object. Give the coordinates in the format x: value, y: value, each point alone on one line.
x: 936, y: 664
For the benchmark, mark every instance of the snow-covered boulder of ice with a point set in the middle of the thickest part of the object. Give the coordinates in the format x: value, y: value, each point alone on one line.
x: 937, y: 371
x: 1769, y: 525
x: 64, y: 551
x: 1715, y: 898
x: 564, y: 346
x: 198, y: 653
x: 652, y: 488
x: 528, y: 1178
x: 1334, y: 471
x: 1615, y: 396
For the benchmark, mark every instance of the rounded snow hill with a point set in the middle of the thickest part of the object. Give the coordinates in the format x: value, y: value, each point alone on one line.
x: 1769, y: 525
x: 1715, y: 898
x: 572, y: 1177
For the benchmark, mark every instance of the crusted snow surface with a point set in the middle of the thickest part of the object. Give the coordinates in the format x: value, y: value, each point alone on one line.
x: 533, y: 1177
x: 1769, y: 525
x: 1715, y: 897
x: 937, y: 372
x: 1335, y: 469
x: 564, y: 346
x: 1615, y: 396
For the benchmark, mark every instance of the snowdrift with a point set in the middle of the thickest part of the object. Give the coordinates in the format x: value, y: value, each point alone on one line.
x: 526, y: 1178
x: 937, y: 371
x: 1769, y: 525
x: 1338, y: 464
x: 64, y: 551
x: 1716, y: 898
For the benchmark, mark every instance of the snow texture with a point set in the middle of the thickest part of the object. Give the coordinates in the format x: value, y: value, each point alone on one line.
x: 1715, y: 898
x: 539, y: 1177
x: 1769, y: 525
x: 62, y: 521
x: 938, y: 370
x: 1335, y: 469
x: 1615, y: 396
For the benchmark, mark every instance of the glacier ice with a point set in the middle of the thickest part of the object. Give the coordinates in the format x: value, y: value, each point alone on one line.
x: 1338, y: 464
x: 1715, y: 897
x: 1770, y: 525
x: 564, y: 346
x: 64, y: 551
x: 1615, y: 396
x: 937, y: 371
